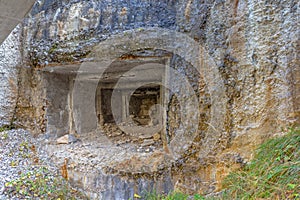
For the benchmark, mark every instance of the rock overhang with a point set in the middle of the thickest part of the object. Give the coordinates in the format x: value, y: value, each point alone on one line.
x: 12, y: 14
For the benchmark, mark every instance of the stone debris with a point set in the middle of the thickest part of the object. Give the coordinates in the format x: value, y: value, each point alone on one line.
x: 116, y: 133
x: 67, y: 139
x: 147, y: 142
x: 140, y: 139
x: 156, y: 137
x: 115, y: 156
x: 143, y: 137
x: 20, y: 155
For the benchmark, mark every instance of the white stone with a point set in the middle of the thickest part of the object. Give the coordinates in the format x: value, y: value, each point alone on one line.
x: 66, y: 139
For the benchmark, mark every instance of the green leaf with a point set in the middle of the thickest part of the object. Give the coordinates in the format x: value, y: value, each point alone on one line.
x: 291, y: 186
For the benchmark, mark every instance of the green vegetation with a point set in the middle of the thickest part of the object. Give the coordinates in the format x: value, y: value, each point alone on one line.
x: 38, y: 182
x: 42, y: 185
x: 176, y: 195
x: 7, y: 127
x: 274, y: 173
x: 4, y: 136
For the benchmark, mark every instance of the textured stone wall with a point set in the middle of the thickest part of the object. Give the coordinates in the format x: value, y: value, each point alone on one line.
x: 251, y: 45
x: 10, y: 60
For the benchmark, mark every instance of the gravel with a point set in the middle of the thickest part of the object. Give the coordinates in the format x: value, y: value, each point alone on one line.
x: 21, y: 156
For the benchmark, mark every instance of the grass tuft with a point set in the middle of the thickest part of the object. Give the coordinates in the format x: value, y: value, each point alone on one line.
x: 274, y: 173
x: 176, y: 195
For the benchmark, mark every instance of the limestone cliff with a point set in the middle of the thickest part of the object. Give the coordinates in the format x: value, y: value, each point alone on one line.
x: 248, y: 89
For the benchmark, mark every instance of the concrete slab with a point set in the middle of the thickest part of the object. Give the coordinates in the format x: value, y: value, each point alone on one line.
x: 12, y: 13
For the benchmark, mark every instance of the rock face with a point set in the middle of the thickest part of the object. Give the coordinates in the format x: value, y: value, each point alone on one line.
x: 238, y: 58
x: 12, y: 12
x: 10, y: 60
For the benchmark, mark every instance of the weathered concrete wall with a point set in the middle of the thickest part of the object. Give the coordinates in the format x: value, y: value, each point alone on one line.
x: 10, y: 60
x: 57, y: 112
x: 253, y: 50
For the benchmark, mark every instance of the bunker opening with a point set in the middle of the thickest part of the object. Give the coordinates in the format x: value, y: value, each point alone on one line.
x: 132, y: 98
x: 133, y: 101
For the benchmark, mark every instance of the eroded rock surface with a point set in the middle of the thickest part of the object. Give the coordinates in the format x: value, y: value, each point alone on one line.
x: 109, y: 171
x: 10, y: 60
x: 239, y: 59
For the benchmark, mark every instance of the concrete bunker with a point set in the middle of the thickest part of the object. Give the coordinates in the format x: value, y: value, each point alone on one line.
x: 130, y: 100
x: 134, y: 100
x: 131, y: 120
x: 117, y: 152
